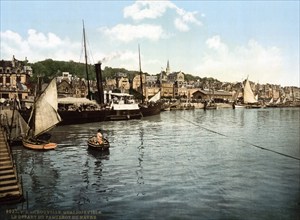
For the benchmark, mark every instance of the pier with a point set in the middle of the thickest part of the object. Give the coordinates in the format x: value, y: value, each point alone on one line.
x: 10, y: 184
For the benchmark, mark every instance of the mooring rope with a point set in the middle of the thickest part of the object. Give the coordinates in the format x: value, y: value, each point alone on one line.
x: 246, y: 142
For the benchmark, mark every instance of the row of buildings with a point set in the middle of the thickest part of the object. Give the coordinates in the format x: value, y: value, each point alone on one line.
x: 15, y: 75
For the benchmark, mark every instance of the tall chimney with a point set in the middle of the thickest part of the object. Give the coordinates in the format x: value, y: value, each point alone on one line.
x: 99, y: 83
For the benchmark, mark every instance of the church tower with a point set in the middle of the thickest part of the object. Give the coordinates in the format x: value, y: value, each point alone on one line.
x: 168, y: 68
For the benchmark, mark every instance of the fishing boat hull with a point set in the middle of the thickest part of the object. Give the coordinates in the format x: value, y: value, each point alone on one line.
x: 119, y: 115
x: 234, y: 106
x: 81, y: 117
x: 151, y: 109
x: 38, y: 144
x: 94, y: 145
x: 89, y: 116
x: 210, y: 108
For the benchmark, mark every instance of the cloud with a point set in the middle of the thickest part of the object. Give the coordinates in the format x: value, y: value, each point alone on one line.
x: 12, y: 44
x: 147, y: 9
x: 181, y: 22
x: 37, y: 46
x: 154, y: 9
x: 128, y: 32
x: 260, y: 63
x: 41, y: 40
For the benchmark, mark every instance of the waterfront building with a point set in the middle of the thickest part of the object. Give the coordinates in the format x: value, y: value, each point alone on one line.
x: 69, y: 86
x: 65, y: 76
x: 136, y: 82
x: 65, y: 89
x: 14, y: 78
x: 218, y: 96
x: 167, y: 90
x: 111, y: 84
x: 122, y: 82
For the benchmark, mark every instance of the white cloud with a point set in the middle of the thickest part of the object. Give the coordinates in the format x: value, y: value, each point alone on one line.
x: 180, y: 25
x: 234, y: 64
x: 185, y: 18
x: 127, y: 32
x: 12, y: 44
x: 147, y: 9
x: 37, y: 46
x: 41, y: 40
x: 154, y: 9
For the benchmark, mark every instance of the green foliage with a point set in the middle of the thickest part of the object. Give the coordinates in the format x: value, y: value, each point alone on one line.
x: 49, y: 68
x: 189, y: 77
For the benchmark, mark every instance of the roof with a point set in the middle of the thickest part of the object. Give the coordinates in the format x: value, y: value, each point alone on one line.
x: 121, y: 94
x: 72, y: 100
x: 224, y: 93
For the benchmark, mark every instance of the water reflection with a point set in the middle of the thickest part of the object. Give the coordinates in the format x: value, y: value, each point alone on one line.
x: 139, y: 171
x: 39, y: 174
x: 98, y: 155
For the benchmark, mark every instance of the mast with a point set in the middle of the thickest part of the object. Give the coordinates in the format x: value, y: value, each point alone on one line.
x: 99, y: 82
x: 86, y: 65
x: 141, y: 78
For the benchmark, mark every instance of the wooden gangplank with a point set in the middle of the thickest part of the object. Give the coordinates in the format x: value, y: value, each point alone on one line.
x: 10, y: 187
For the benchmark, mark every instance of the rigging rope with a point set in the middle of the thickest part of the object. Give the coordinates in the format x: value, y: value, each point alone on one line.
x: 254, y: 145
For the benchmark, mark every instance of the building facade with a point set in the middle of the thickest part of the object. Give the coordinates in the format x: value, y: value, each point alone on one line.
x: 14, y: 78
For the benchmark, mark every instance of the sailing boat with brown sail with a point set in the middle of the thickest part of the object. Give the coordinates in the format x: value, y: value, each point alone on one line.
x: 44, y: 117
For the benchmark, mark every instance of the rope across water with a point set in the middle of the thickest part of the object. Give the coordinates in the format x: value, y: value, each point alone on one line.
x: 254, y: 145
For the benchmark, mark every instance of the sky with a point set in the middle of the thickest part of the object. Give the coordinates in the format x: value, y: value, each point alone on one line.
x: 226, y: 40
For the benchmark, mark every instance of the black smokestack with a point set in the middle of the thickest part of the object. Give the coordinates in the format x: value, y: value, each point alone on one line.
x: 99, y: 83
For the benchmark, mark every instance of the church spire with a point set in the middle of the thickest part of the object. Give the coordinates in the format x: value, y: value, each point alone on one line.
x: 168, y: 68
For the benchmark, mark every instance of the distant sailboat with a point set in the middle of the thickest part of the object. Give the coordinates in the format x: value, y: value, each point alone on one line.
x: 44, y: 117
x: 278, y: 101
x: 249, y: 99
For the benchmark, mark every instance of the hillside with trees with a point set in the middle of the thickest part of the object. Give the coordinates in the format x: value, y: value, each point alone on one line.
x: 49, y: 68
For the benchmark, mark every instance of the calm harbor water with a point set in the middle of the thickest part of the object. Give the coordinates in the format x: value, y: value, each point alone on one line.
x: 177, y: 165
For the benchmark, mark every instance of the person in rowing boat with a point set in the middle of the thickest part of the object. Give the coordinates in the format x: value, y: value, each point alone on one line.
x: 99, y: 137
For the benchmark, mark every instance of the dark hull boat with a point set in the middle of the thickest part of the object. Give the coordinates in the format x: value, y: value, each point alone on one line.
x: 153, y: 106
x: 80, y: 117
x: 69, y: 117
x: 123, y: 115
x: 150, y: 109
x: 94, y: 145
x: 210, y: 105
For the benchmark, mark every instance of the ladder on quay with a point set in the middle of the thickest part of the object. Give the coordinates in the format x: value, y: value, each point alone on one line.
x: 10, y: 187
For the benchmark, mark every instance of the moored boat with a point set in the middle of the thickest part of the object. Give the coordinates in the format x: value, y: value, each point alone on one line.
x: 249, y: 100
x: 209, y: 105
x: 37, y: 144
x: 44, y: 117
x: 123, y: 107
x: 153, y: 107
